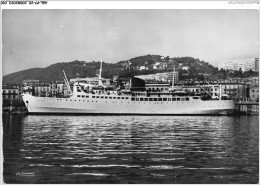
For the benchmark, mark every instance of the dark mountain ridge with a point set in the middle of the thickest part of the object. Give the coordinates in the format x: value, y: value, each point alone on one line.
x: 123, y: 69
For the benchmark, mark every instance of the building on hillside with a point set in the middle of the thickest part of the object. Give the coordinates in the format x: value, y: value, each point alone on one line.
x: 244, y: 64
x: 160, y: 65
x: 254, y: 93
x: 161, y: 77
x: 142, y: 68
x: 156, y: 65
x: 163, y: 65
x: 185, y: 68
x: 30, y: 82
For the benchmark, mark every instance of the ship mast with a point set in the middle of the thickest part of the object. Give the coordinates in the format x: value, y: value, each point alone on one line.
x: 67, y: 82
x: 100, y: 71
x: 173, y: 77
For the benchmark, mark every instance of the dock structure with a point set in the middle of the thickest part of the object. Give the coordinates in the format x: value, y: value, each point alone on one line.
x: 247, y: 107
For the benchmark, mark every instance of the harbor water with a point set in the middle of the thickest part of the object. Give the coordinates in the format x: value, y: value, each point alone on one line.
x: 130, y: 149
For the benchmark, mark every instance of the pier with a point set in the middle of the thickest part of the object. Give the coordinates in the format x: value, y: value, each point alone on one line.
x: 247, y: 107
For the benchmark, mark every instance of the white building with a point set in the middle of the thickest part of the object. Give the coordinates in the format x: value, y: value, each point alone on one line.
x: 244, y: 64
x: 156, y: 65
x: 142, y: 68
x: 185, y: 68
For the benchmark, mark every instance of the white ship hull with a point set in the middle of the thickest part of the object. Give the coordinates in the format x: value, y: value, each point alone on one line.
x: 79, y: 105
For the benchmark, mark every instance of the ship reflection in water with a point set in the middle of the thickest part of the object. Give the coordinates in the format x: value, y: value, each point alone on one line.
x: 130, y: 149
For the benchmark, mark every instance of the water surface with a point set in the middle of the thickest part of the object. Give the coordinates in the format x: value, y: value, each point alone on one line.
x: 130, y: 149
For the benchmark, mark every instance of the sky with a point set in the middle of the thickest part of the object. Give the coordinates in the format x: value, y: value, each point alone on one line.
x: 39, y: 38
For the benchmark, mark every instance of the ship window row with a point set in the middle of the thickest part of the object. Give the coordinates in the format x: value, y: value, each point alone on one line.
x: 103, y: 97
x: 139, y: 99
x: 160, y: 99
x: 83, y: 96
x: 110, y: 97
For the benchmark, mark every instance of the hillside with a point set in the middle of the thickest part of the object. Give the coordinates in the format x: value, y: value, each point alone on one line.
x: 17, y: 77
x: 147, y: 64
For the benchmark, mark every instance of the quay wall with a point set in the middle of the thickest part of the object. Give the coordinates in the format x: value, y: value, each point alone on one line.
x: 247, y: 107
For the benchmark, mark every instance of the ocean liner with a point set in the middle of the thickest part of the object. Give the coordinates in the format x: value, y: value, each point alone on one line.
x: 98, y: 99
